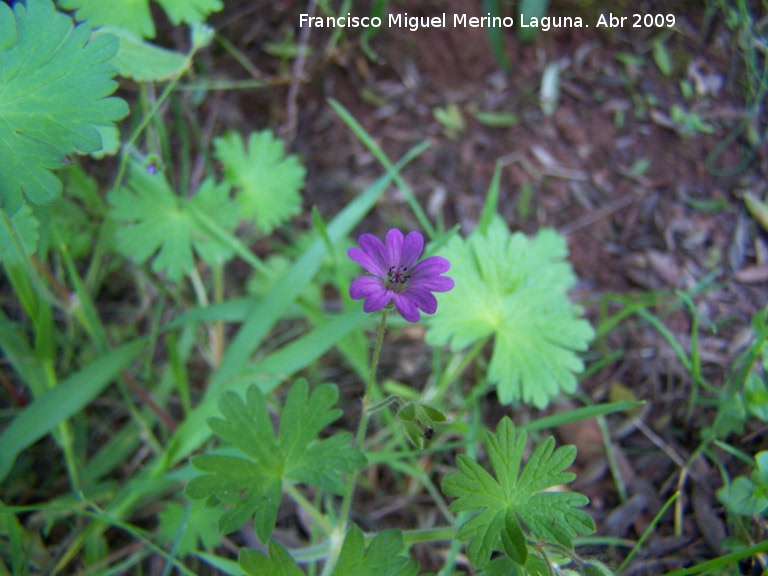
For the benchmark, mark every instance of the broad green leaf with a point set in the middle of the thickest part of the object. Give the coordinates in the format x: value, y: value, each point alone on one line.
x: 141, y: 60
x: 110, y: 141
x: 503, y: 566
x: 135, y: 16
x: 251, y: 484
x: 8, y: 32
x: 514, y: 288
x: 190, y: 10
x: 515, y: 495
x: 381, y: 556
x: 278, y: 563
x: 756, y: 396
x: 742, y: 497
x: 267, y: 180
x: 192, y: 529
x: 158, y: 224
x: 62, y: 402
x: 748, y: 496
x: 54, y: 88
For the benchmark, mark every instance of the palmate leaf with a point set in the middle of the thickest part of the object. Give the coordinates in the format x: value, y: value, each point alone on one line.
x: 278, y: 563
x: 156, y: 222
x: 268, y: 182
x: 514, y: 288
x: 197, y: 526
x: 54, y: 88
x: 381, y: 557
x: 135, y: 16
x: 142, y: 61
x: 510, y: 497
x: 252, y: 483
x: 748, y: 496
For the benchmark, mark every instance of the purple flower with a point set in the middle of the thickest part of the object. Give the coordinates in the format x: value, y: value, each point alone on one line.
x: 396, y: 275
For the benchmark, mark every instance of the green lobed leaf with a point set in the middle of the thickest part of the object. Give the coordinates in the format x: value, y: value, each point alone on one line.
x: 278, y: 563
x: 756, y: 397
x: 381, y: 556
x: 514, y: 288
x: 191, y: 528
x: 189, y: 10
x: 135, y: 16
x: 503, y: 566
x: 508, y: 496
x: 68, y: 398
x: 267, y: 180
x: 252, y: 485
x: 748, y: 496
x: 741, y: 497
x: 141, y: 60
x: 158, y: 224
x: 55, y: 83
x: 8, y: 33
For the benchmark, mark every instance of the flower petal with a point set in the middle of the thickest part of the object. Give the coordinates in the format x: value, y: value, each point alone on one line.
x: 367, y: 261
x: 365, y: 286
x: 414, y: 244
x: 377, y: 300
x: 374, y: 247
x: 406, y: 307
x: 433, y: 283
x: 423, y: 298
x: 394, y: 247
x: 431, y: 266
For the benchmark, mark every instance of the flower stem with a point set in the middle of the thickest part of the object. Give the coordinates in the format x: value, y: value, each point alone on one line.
x: 364, y: 417
x: 371, y: 381
x: 457, y: 367
x: 299, y: 498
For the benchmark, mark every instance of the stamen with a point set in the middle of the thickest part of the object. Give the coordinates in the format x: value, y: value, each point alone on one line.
x: 398, y: 275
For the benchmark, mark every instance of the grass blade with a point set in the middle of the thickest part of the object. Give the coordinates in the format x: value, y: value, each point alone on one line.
x: 60, y: 403
x: 379, y: 154
x: 577, y: 414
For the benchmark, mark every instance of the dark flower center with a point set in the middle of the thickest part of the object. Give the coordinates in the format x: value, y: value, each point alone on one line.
x: 398, y: 274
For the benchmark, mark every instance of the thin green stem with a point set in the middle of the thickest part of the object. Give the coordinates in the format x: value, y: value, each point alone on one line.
x: 218, y: 327
x: 648, y: 531
x: 459, y: 367
x: 299, y: 498
x: 362, y: 428
x: 364, y: 417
